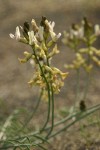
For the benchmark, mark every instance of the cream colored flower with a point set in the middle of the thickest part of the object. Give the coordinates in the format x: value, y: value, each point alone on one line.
x: 32, y: 62
x: 32, y: 38
x: 39, y: 34
x: 53, y: 52
x: 97, y: 29
x: 79, y: 33
x: 53, y: 35
x: 17, y: 34
x: 34, y: 25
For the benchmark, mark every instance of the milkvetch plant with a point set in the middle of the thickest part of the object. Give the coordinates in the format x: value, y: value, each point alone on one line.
x: 81, y: 39
x: 43, y: 42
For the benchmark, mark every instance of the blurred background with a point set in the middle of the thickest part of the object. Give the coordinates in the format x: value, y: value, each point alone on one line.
x: 14, y: 90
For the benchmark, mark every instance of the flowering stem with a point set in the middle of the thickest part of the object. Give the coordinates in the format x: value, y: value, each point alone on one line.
x: 52, y: 104
x: 48, y: 87
x: 88, y: 73
x: 52, y: 125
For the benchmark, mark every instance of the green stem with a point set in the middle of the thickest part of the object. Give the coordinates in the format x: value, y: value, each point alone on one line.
x: 71, y: 116
x: 86, y: 86
x: 48, y: 116
x: 52, y: 125
x: 82, y: 115
x: 52, y: 105
x: 88, y: 73
x: 77, y: 88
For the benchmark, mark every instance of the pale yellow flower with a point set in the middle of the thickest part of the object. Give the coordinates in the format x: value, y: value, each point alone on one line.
x: 17, y: 34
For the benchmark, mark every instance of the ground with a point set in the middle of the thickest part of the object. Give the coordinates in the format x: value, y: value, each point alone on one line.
x: 14, y: 90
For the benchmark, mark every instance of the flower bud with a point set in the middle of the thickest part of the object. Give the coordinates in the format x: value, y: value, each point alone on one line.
x: 34, y: 26
x: 97, y: 29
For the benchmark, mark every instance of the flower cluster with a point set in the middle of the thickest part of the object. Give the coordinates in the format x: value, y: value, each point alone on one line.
x: 43, y: 41
x: 84, y: 35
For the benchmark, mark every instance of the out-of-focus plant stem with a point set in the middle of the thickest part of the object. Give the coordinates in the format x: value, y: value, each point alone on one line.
x: 77, y: 88
x: 34, y: 111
